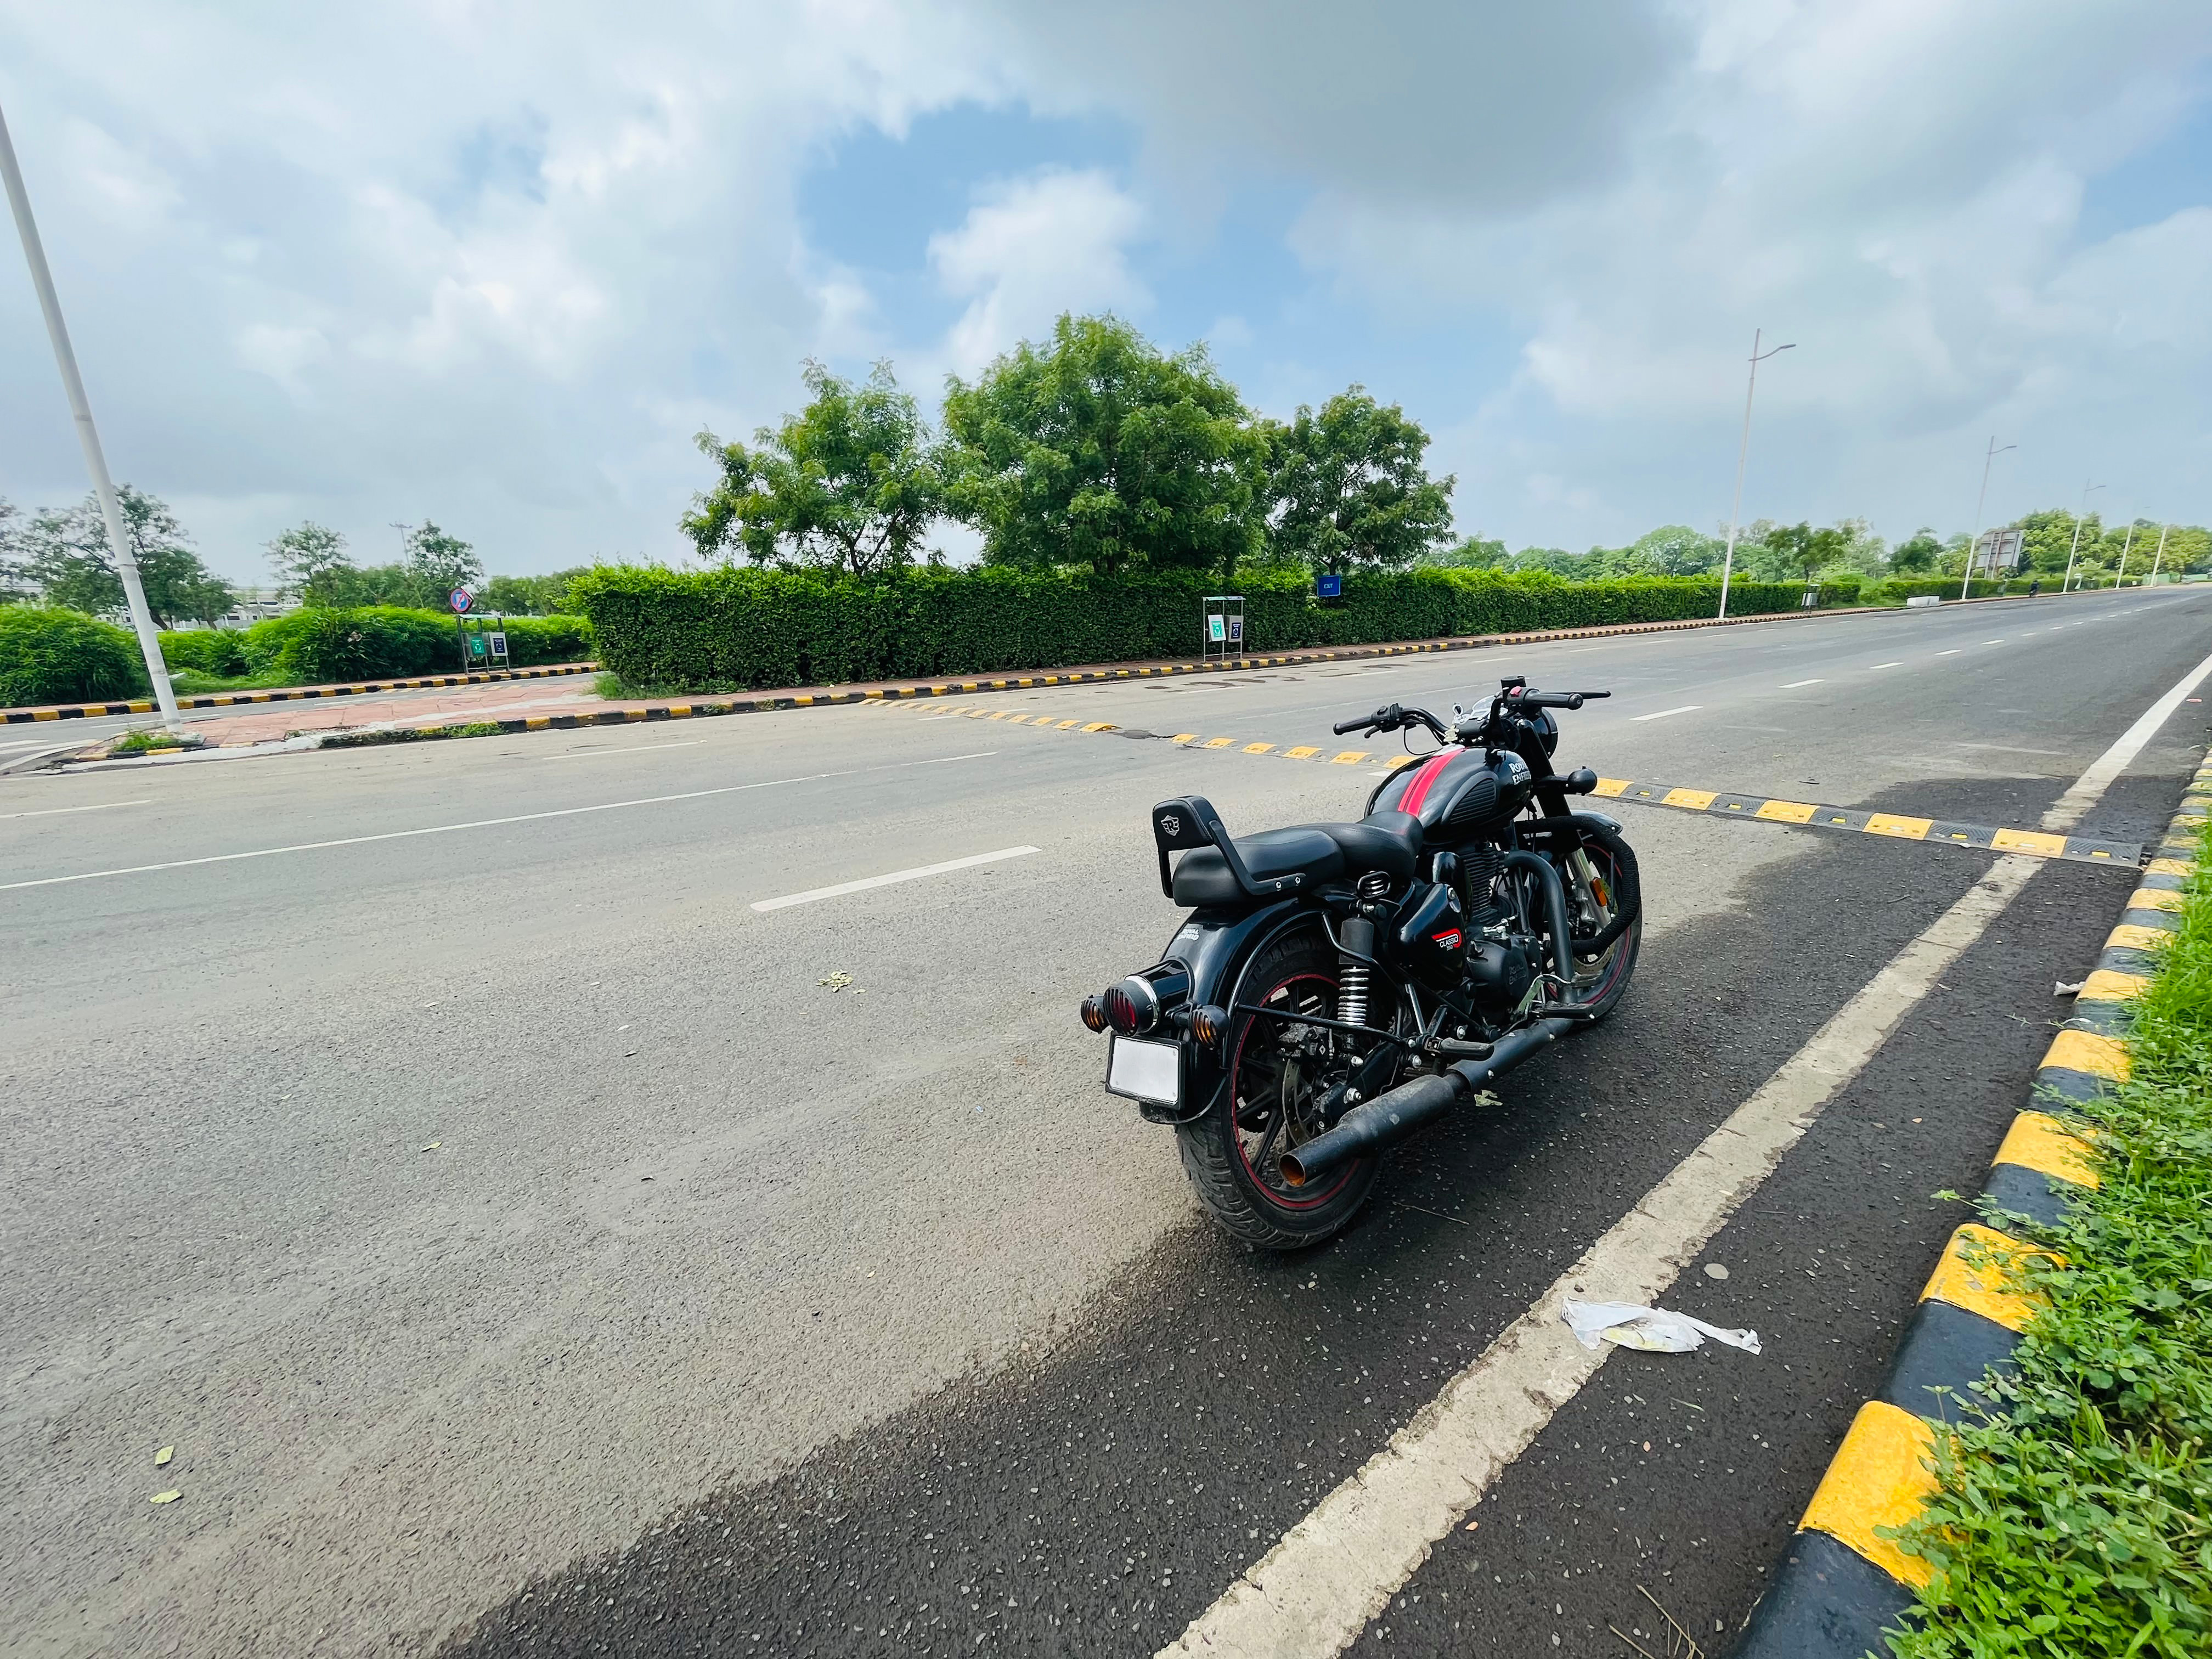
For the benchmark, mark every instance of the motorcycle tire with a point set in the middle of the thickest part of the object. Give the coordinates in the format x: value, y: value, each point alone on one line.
x: 1228, y: 1164
x: 1600, y: 994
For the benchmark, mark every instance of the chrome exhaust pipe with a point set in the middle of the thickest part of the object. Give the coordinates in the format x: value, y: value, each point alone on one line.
x: 1396, y: 1113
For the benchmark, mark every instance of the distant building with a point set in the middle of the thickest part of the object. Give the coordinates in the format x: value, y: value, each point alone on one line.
x: 1998, y: 553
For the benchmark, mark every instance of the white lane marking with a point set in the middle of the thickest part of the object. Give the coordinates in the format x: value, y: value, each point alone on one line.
x: 814, y: 894
x: 1685, y: 708
x: 1952, y: 652
x: 1992, y: 642
x: 1311, y: 1596
x: 477, y: 824
x: 1888, y: 664
x: 626, y: 749
x: 102, y: 806
x: 1794, y: 685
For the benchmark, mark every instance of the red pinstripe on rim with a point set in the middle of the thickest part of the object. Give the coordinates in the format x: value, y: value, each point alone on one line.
x: 1418, y: 790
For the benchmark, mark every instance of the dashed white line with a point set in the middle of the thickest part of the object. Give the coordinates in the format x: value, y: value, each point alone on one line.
x: 477, y: 824
x: 101, y: 806
x: 1885, y: 664
x: 1952, y: 652
x: 1794, y: 685
x: 1992, y: 642
x: 1685, y: 708
x: 812, y: 895
x: 626, y: 749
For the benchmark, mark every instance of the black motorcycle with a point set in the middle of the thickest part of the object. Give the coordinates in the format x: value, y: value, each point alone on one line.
x: 1337, y: 985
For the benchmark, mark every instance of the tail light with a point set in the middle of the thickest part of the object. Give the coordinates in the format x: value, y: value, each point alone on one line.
x: 1093, y: 1015
x: 1131, y: 1007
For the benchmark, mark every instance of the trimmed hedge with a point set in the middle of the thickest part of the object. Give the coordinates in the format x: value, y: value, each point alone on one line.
x: 316, y: 644
x: 1897, y: 589
x: 745, y: 629
x: 48, y: 654
x: 217, y: 651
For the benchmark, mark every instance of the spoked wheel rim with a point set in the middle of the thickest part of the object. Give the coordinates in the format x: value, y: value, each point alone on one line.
x: 1275, y: 1078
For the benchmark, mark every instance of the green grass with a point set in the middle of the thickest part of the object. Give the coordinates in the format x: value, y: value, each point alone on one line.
x: 2076, y: 1520
x: 140, y: 743
x: 191, y: 682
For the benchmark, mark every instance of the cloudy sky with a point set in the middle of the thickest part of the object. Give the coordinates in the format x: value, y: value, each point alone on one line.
x: 494, y: 264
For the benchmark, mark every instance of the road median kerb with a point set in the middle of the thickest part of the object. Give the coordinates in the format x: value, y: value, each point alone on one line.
x: 291, y: 693
x: 1842, y: 1581
x: 703, y: 708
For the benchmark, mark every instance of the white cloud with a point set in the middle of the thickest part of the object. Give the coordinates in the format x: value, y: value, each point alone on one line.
x: 492, y: 264
x: 1030, y: 249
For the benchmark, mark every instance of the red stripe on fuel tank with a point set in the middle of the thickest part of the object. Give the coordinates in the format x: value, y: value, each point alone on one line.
x: 1418, y: 790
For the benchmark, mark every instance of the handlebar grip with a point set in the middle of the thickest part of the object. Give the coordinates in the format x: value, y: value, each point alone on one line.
x: 1361, y: 724
x: 1550, y: 700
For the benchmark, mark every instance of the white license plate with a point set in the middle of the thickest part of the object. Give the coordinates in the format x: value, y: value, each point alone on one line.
x: 1145, y: 1071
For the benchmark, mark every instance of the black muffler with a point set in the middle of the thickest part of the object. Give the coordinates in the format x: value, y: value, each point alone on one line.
x: 1397, y: 1112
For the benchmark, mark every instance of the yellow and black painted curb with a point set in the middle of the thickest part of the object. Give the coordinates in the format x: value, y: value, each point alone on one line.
x: 952, y: 687
x: 292, y: 692
x: 1842, y: 1581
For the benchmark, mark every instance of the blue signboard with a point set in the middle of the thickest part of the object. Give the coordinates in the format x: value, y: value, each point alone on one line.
x: 1329, y: 587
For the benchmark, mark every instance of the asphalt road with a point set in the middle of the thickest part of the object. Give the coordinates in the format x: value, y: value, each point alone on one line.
x: 526, y: 1252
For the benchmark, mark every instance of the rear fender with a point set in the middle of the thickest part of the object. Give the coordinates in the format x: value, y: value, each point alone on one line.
x: 1217, y: 947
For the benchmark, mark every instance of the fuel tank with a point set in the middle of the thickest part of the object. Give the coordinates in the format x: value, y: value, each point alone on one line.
x: 1457, y: 792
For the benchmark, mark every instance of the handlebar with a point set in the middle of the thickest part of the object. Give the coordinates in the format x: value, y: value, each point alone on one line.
x: 1343, y: 726
x: 1550, y: 699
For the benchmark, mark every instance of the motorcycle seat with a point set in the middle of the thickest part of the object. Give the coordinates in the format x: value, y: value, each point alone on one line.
x: 1202, y: 877
x: 1388, y: 842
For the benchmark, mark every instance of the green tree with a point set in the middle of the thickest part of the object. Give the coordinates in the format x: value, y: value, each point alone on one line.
x: 850, y: 482
x: 65, y: 553
x: 1468, y: 553
x: 1097, y: 448
x: 15, y: 581
x: 530, y: 596
x: 2048, y: 538
x: 1917, y: 555
x: 304, y: 554
x: 1675, y: 549
x: 1806, y: 551
x: 438, y: 563
x: 1349, y: 489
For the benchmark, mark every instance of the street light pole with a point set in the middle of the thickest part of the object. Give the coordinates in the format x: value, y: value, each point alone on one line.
x: 1980, y: 502
x: 2125, y: 547
x: 119, y: 541
x: 2087, y: 488
x: 1743, y: 452
x: 2161, y: 559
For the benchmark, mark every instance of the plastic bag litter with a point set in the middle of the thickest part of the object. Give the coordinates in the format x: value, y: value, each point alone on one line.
x: 2065, y: 989
x: 1655, y: 1330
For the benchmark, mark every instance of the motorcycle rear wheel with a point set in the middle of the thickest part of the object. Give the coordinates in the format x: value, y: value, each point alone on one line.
x: 1275, y: 1075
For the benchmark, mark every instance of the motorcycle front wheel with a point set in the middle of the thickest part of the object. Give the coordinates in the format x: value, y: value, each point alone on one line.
x: 1278, y: 1071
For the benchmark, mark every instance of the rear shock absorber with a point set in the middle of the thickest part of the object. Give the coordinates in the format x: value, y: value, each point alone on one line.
x: 1358, y: 938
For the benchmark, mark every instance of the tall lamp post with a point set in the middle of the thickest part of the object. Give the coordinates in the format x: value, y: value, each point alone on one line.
x: 2087, y: 488
x: 2160, y: 560
x: 1742, y: 454
x: 1980, y: 502
x: 118, y: 542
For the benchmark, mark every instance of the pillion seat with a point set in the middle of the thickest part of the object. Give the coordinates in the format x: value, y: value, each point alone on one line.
x: 1319, y: 852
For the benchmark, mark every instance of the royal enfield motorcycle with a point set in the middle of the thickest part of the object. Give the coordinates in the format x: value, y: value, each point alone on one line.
x: 1335, y: 985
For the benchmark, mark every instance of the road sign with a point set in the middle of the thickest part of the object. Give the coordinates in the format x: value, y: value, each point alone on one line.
x: 1328, y: 587
x: 1217, y: 628
x: 461, y: 598
x: 1237, y: 630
